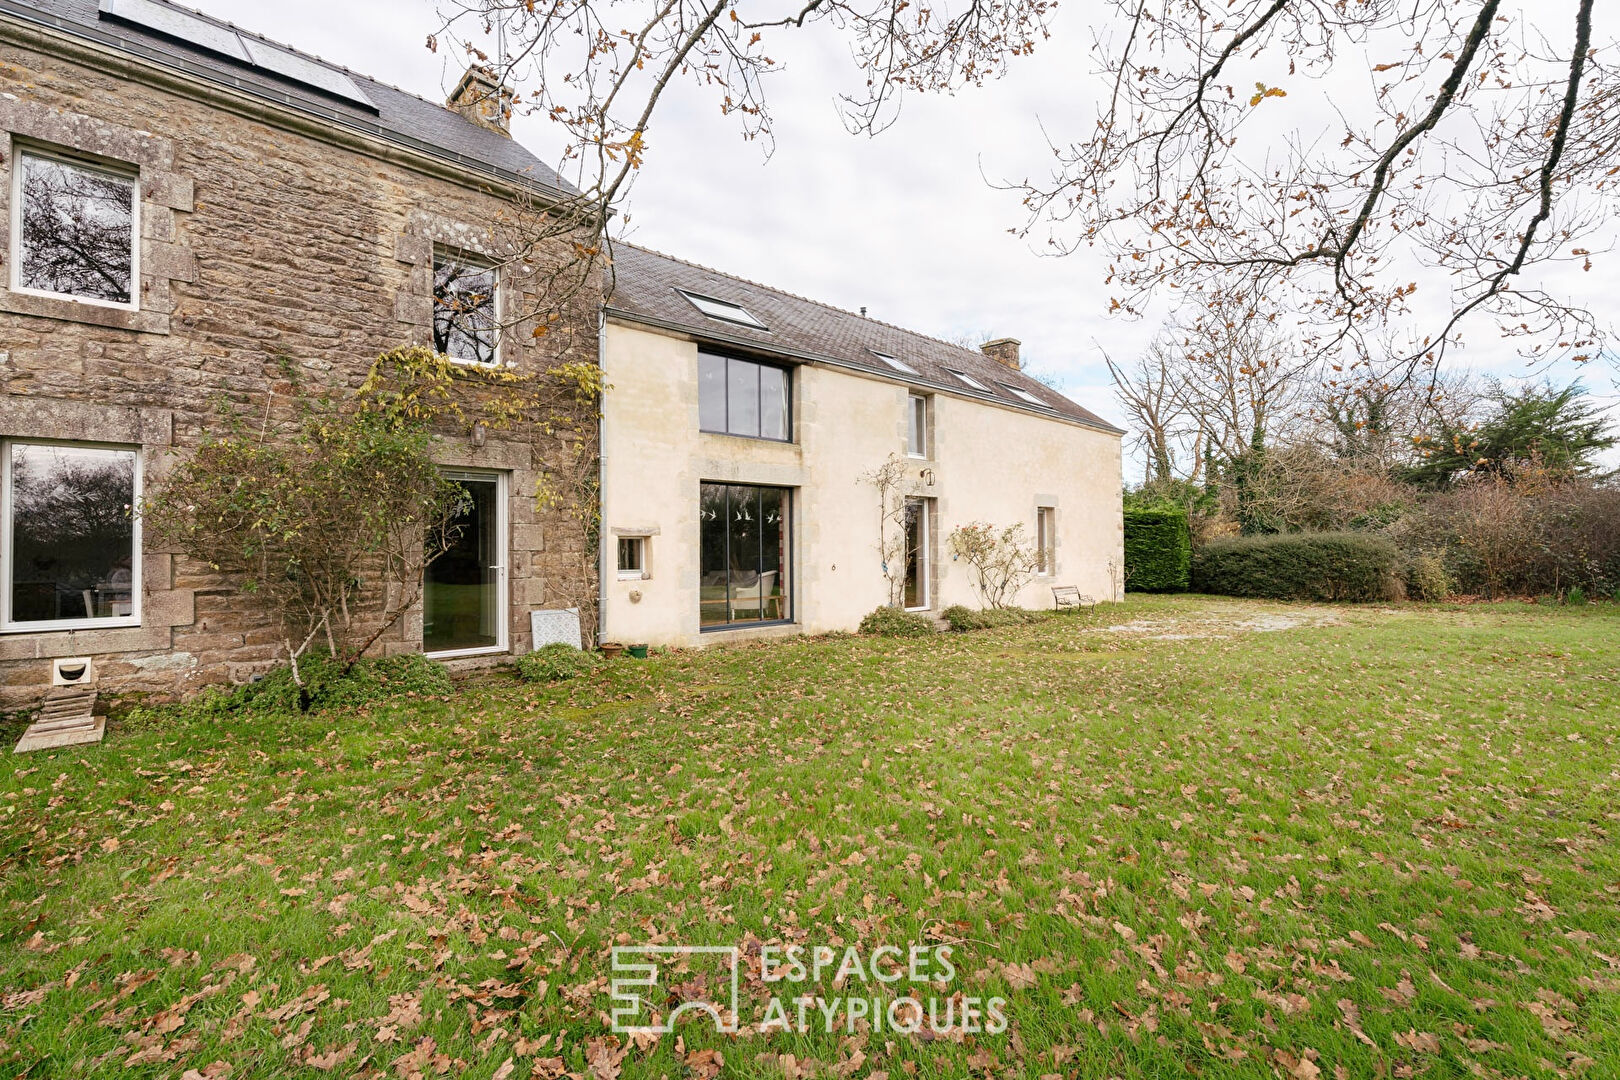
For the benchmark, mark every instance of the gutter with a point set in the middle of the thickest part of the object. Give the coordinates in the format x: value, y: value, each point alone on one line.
x: 126, y: 58
x: 636, y: 318
x: 601, y: 487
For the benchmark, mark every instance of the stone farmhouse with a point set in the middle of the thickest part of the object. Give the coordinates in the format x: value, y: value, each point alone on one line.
x: 196, y: 215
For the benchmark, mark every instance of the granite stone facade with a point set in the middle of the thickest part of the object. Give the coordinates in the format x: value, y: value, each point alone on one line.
x: 268, y: 243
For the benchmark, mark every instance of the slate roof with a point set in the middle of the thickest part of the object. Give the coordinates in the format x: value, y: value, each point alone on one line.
x: 410, y: 121
x: 647, y: 290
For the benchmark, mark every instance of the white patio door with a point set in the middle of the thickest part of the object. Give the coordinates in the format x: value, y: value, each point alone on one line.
x: 464, y: 596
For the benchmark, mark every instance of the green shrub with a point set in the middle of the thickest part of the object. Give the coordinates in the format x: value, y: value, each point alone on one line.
x: 894, y: 622
x: 371, y: 680
x: 966, y: 618
x: 1427, y: 577
x: 1301, y: 566
x: 554, y: 663
x: 1158, y: 550
x: 1576, y: 597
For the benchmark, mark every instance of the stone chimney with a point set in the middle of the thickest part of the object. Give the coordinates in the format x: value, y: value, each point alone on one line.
x: 1004, y: 351
x: 482, y: 100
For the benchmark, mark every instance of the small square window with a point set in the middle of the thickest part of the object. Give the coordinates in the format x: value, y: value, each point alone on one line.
x: 895, y: 362
x: 632, y: 556
x: 75, y: 230
x: 1025, y: 396
x: 724, y: 310
x: 969, y: 380
x: 466, y: 320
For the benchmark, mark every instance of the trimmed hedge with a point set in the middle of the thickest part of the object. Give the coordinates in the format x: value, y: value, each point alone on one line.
x: 1352, y: 567
x: 1158, y: 550
x: 895, y: 622
x: 962, y: 618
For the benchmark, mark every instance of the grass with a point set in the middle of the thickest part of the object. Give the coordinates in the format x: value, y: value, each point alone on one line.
x: 1361, y: 842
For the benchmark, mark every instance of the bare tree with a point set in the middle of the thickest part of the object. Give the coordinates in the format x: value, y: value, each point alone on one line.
x: 1480, y: 155
x: 1152, y: 393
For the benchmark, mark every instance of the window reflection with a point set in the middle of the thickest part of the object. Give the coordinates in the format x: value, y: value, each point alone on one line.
x: 72, y: 533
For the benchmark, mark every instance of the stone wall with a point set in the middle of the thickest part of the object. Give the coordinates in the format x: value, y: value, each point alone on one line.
x: 264, y: 244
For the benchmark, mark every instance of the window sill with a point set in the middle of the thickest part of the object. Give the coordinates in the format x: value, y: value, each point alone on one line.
x: 634, y: 575
x: 73, y: 626
x: 65, y: 309
x: 750, y: 438
x: 456, y: 654
x: 724, y: 627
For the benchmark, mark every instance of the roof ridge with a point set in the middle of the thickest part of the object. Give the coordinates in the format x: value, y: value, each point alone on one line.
x: 811, y: 300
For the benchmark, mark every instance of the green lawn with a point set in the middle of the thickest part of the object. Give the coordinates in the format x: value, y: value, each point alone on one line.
x: 1179, y: 837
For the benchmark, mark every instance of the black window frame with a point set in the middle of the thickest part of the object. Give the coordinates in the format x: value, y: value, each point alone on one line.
x: 758, y: 364
x: 790, y: 575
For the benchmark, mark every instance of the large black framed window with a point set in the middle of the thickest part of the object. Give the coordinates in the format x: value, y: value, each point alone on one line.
x: 741, y: 397
x: 744, y: 555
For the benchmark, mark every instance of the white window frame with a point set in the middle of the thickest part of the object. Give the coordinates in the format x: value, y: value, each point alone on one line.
x: 503, y: 588
x: 969, y: 380
x: 644, y: 570
x: 925, y: 558
x: 1026, y: 396
x: 127, y: 171
x: 895, y: 362
x: 7, y: 562
x: 725, y: 311
x: 1046, y: 541
x: 472, y: 258
x: 921, y: 452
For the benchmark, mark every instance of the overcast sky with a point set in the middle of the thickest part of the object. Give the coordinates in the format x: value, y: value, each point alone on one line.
x: 907, y: 224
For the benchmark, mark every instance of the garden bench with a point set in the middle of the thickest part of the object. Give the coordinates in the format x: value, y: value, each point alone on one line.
x: 1069, y: 598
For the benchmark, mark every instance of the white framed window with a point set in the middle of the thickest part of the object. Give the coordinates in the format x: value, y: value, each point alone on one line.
x: 1045, y: 540
x: 724, y: 310
x: 466, y: 308
x: 70, y: 540
x: 969, y: 380
x: 633, y: 557
x: 917, y: 425
x: 75, y: 229
x: 895, y: 362
x: 1025, y: 396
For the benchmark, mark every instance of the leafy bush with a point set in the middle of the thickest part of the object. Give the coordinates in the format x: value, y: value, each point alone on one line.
x: 965, y: 618
x: 896, y: 622
x: 1427, y: 577
x: 1576, y: 597
x: 368, y: 681
x: 1158, y: 550
x: 1301, y: 566
x: 554, y: 663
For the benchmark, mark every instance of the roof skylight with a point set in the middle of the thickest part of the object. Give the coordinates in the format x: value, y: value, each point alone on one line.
x: 1024, y: 395
x: 895, y: 362
x: 970, y: 380
x: 186, y: 26
x: 723, y: 310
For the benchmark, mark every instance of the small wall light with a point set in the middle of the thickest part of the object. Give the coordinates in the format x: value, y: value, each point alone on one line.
x: 480, y: 435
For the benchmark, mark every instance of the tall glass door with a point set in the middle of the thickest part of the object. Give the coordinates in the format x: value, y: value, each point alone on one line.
x: 917, y: 554
x: 464, y: 596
